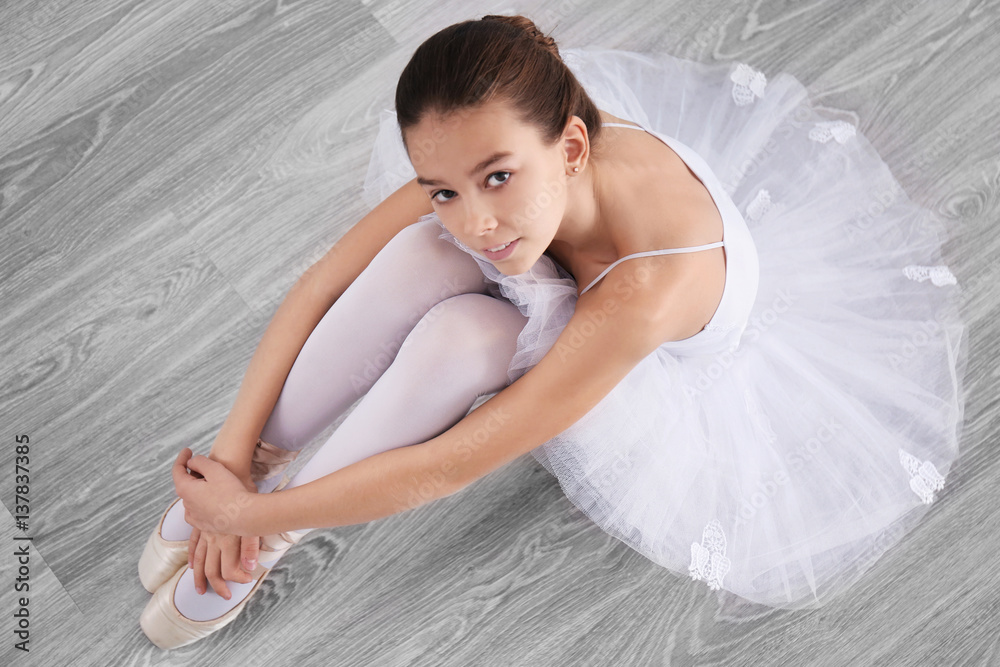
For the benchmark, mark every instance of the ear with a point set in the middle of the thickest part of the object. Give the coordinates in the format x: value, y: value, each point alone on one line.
x: 576, y: 143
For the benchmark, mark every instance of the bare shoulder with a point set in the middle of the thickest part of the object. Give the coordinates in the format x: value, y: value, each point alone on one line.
x: 651, y: 296
x: 663, y: 205
x: 676, y: 294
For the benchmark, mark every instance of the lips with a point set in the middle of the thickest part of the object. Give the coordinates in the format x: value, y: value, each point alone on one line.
x: 498, y: 247
x: 508, y: 249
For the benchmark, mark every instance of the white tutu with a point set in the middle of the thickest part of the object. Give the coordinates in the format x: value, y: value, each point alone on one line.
x: 777, y: 472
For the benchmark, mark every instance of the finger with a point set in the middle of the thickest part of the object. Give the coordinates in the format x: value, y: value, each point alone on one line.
x: 202, y: 464
x: 213, y: 570
x: 183, y: 456
x: 250, y: 549
x: 232, y: 570
x: 179, y: 470
x: 199, y: 567
x: 193, y: 545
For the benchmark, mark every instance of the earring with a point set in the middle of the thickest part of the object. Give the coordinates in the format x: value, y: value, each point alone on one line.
x: 576, y: 169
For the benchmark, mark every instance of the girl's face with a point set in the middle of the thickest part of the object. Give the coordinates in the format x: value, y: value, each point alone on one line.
x: 491, y: 181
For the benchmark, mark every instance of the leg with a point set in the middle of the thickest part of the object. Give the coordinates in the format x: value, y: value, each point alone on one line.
x: 460, y: 350
x: 361, y: 334
x: 358, y: 338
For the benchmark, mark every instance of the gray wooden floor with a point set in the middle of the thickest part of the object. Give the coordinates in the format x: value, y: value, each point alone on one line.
x: 168, y: 169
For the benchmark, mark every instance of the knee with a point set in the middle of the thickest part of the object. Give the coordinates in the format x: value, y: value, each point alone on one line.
x: 419, y: 240
x: 469, y: 335
x: 417, y: 253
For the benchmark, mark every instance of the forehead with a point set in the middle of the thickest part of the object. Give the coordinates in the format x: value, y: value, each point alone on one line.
x: 497, y: 114
x: 465, y: 136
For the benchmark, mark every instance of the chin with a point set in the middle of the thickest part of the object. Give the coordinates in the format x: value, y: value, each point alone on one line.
x: 513, y: 268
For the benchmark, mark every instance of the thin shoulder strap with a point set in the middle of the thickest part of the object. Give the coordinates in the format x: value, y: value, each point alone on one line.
x: 650, y: 253
x: 634, y: 127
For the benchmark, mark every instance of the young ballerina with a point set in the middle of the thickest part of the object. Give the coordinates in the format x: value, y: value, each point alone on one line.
x: 728, y: 357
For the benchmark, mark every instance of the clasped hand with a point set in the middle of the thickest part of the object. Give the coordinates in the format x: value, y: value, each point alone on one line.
x: 216, y: 501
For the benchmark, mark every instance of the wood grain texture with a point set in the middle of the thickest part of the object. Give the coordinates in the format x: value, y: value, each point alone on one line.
x: 168, y: 170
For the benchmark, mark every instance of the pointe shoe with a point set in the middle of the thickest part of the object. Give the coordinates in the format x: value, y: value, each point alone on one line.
x: 161, y: 558
x: 168, y: 628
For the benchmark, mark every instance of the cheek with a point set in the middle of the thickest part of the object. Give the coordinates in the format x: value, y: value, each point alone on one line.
x: 540, y: 199
x: 551, y: 201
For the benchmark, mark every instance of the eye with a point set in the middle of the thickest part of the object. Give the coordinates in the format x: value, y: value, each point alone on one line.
x: 440, y: 201
x: 439, y: 192
x: 500, y: 172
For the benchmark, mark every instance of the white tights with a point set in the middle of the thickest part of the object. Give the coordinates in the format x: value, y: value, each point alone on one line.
x: 418, y: 335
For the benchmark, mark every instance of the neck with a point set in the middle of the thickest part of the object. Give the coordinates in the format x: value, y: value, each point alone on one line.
x: 582, y: 233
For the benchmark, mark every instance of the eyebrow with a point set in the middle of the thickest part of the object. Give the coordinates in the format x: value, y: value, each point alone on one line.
x: 475, y: 170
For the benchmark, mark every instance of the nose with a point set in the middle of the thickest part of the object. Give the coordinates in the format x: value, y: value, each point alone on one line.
x: 478, y: 221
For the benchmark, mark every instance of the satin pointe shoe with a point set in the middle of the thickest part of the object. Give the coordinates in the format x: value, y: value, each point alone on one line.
x: 161, y: 558
x: 168, y: 628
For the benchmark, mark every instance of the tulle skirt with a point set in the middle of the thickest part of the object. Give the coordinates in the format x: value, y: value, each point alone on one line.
x: 778, y: 472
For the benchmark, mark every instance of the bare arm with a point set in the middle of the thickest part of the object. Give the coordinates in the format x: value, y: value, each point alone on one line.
x: 617, y: 324
x: 305, y: 305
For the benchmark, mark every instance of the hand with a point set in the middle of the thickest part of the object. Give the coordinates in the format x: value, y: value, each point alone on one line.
x: 217, y: 500
x: 217, y: 558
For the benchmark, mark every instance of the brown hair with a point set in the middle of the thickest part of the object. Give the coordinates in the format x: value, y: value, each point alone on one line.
x: 495, y: 58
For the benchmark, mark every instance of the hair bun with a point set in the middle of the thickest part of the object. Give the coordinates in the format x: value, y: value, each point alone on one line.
x: 528, y: 26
